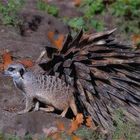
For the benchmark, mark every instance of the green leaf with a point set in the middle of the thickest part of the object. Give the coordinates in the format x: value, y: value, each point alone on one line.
x: 53, y: 10
x: 77, y: 23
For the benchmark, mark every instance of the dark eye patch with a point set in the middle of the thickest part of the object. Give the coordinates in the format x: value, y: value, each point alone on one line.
x: 11, y: 69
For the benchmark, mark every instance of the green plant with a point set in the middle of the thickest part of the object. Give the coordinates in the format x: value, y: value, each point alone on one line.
x: 86, y: 24
x: 89, y: 134
x: 9, y: 137
x: 8, y: 10
x: 76, y: 23
x: 127, y: 8
x: 91, y: 7
x: 51, y: 9
x: 124, y: 128
x: 1, y: 136
x: 96, y: 24
x: 128, y: 15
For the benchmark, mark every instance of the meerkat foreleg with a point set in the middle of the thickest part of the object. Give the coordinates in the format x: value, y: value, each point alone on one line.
x: 29, y: 105
x: 73, y: 107
x: 64, y: 112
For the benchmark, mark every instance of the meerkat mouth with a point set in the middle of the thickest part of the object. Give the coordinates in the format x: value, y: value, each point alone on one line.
x: 5, y: 73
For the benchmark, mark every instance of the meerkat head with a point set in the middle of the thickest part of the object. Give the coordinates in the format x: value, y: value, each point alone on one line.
x: 15, y: 70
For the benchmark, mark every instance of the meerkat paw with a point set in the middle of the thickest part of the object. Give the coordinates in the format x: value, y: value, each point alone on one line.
x: 48, y: 109
x: 36, y: 108
x: 23, y: 111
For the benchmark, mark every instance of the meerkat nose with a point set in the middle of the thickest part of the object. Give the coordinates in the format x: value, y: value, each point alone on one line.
x: 5, y: 73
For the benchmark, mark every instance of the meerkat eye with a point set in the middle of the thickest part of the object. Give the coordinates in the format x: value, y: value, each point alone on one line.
x: 11, y: 69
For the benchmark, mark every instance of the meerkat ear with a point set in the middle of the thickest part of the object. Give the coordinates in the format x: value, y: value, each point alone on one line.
x: 21, y: 72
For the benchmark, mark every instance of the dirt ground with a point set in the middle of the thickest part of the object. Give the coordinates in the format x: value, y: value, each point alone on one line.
x: 11, y: 99
x: 29, y: 46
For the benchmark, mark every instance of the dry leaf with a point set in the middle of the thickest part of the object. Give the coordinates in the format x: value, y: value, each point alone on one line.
x: 89, y: 121
x: 74, y: 137
x: 73, y: 127
x: 75, y: 124
x: 77, y: 2
x: 60, y: 126
x: 26, y: 63
x: 51, y: 36
x: 7, y: 59
x: 59, y: 42
x: 136, y: 41
x: 79, y: 118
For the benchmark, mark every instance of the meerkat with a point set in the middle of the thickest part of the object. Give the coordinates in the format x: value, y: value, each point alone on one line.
x: 49, y: 90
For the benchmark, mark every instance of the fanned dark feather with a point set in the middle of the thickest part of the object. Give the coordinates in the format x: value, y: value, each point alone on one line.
x: 105, y: 74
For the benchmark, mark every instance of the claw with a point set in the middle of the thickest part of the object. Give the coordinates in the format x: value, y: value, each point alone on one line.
x: 22, y: 112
